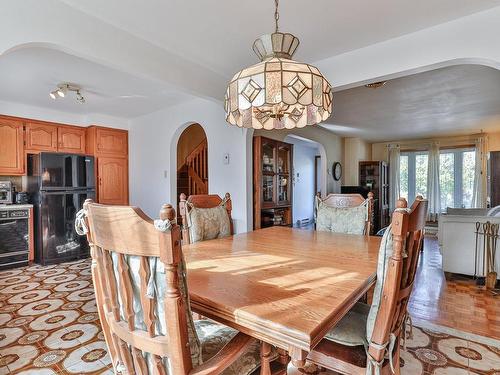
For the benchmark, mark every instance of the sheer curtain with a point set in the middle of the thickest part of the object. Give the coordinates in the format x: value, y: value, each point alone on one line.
x: 478, y: 200
x: 433, y: 191
x: 394, y: 156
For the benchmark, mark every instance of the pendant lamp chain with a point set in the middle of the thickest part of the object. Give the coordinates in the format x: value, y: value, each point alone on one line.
x: 276, y: 14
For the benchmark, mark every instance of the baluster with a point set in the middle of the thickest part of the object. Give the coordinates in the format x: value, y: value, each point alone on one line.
x: 141, y: 368
x: 99, y: 277
x: 125, y: 291
x: 126, y: 356
x: 158, y: 366
x: 108, y: 265
x: 147, y: 303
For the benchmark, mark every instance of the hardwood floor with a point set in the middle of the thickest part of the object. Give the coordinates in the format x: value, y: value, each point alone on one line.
x: 456, y: 303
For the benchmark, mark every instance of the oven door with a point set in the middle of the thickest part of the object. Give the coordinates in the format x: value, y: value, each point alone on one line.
x: 14, y: 242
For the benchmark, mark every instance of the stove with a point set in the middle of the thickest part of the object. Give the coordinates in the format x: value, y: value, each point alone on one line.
x: 15, y: 235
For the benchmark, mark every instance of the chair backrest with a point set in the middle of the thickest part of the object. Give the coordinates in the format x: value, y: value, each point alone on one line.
x: 407, y: 229
x: 122, y: 235
x: 202, y: 201
x: 337, y: 200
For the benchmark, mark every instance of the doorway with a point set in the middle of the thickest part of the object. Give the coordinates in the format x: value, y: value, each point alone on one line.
x: 192, y: 161
x: 306, y: 179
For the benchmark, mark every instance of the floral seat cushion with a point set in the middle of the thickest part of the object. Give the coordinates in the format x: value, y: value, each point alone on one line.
x: 350, y: 220
x: 208, y: 223
x: 214, y: 336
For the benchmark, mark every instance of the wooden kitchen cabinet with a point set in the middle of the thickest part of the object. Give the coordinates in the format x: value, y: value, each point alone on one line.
x: 71, y: 139
x: 40, y: 137
x: 112, y: 177
x: 106, y: 141
x: 11, y: 147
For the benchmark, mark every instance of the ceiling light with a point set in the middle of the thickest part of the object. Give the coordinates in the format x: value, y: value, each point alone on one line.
x: 278, y: 92
x: 64, y: 88
x: 79, y: 97
x: 61, y: 91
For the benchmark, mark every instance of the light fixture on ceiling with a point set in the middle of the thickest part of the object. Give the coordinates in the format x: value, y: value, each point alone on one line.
x: 375, y: 85
x: 64, y: 88
x: 278, y: 92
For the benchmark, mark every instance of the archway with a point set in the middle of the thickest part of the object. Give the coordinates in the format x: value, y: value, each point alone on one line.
x: 192, y: 161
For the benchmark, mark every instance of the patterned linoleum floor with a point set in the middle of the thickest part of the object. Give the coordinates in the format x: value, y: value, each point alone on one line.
x: 49, y: 322
x: 49, y: 325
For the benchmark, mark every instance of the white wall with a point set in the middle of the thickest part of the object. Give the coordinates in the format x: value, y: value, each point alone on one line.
x: 355, y: 150
x: 153, y: 143
x: 303, y: 179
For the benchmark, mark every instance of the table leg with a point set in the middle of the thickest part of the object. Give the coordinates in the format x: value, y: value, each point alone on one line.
x: 299, y: 357
x: 265, y: 359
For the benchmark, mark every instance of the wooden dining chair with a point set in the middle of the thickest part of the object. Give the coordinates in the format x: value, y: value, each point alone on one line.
x: 140, y: 281
x: 345, y: 213
x: 205, y: 217
x: 367, y: 339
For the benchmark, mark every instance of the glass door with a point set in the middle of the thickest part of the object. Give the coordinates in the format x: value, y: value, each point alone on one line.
x: 283, y: 169
x: 268, y: 173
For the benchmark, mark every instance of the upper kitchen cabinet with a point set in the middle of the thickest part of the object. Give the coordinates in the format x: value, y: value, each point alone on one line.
x: 107, y: 142
x: 71, y: 139
x: 11, y: 147
x: 40, y: 137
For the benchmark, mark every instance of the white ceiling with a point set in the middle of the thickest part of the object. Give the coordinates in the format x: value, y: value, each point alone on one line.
x: 28, y: 75
x: 202, y: 43
x: 218, y: 34
x: 453, y: 100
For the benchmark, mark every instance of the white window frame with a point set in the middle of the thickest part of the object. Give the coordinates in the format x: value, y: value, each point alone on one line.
x: 412, y: 180
x: 458, y: 155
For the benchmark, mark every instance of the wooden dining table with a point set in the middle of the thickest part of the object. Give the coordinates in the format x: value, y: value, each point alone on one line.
x: 287, y: 287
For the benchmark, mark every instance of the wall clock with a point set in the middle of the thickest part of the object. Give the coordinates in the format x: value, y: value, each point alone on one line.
x: 337, y: 171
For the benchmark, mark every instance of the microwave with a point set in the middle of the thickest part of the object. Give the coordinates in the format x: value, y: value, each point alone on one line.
x: 6, y: 192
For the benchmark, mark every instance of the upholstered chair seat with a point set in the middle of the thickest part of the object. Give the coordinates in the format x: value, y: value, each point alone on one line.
x: 357, y: 325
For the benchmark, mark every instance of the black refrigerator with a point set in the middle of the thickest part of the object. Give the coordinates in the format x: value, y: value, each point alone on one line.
x: 58, y: 185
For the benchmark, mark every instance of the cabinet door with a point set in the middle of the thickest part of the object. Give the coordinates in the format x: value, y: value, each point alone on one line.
x: 41, y: 137
x: 71, y: 139
x: 112, y: 174
x: 11, y: 147
x: 111, y: 142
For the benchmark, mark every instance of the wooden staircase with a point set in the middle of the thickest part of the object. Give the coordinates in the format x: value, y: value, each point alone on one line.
x: 192, y: 176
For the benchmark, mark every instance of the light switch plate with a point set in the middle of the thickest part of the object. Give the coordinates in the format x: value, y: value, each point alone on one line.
x: 226, y: 158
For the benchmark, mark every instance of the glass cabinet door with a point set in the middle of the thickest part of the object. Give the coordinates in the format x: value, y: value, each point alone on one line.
x: 283, y: 189
x: 268, y: 189
x: 283, y: 159
x: 268, y: 156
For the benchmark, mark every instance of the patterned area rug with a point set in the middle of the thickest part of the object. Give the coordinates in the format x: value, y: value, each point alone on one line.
x: 49, y: 325
x: 49, y: 322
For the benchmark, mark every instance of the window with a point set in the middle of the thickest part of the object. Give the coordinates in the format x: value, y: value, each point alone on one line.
x: 413, y: 174
x: 456, y: 177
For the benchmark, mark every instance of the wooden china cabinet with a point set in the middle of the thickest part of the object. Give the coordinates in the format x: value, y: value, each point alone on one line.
x: 374, y: 177
x: 272, y: 185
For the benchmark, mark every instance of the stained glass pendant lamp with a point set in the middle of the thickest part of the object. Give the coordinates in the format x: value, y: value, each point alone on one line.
x: 278, y: 92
